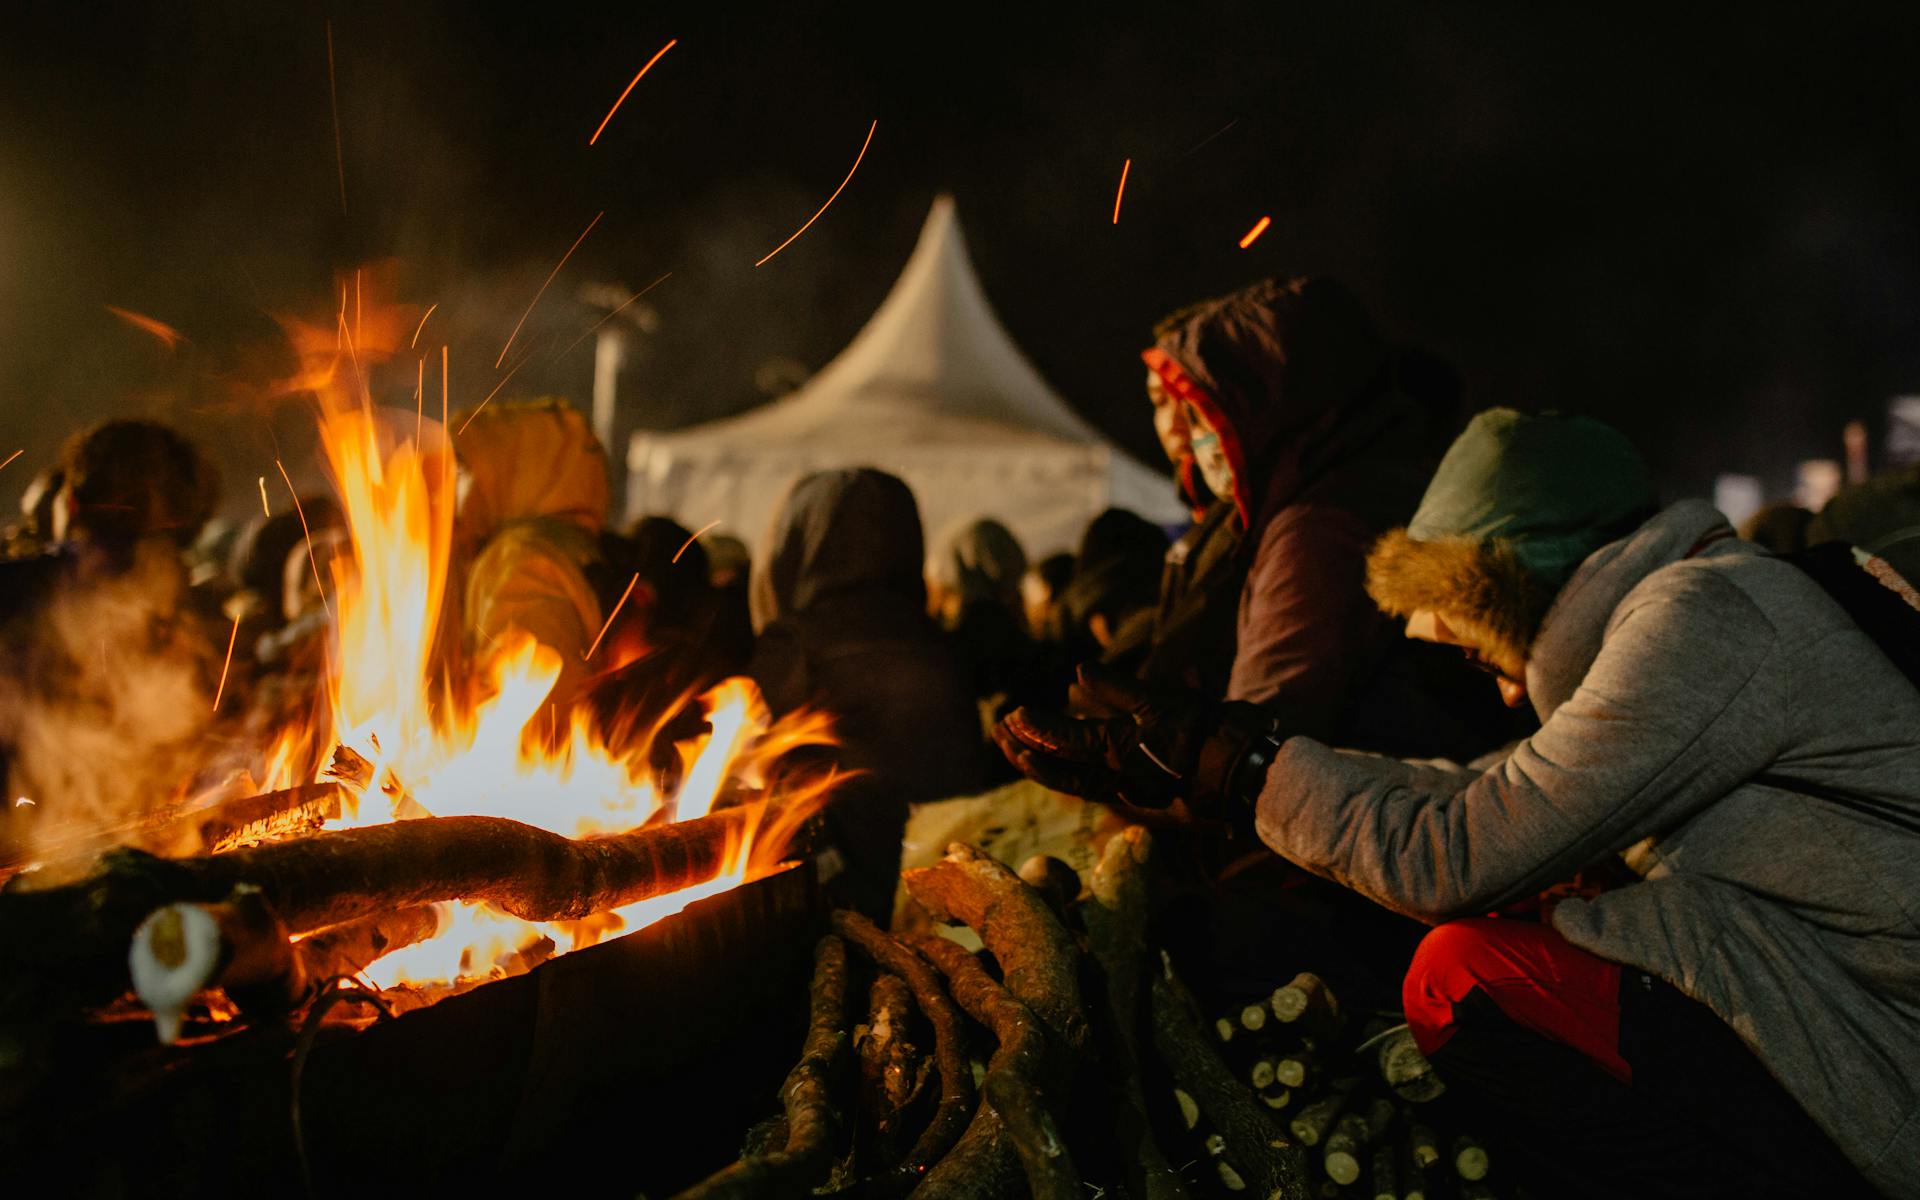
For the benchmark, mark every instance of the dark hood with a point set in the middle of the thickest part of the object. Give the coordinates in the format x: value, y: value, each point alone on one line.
x: 854, y: 530
x: 1296, y: 376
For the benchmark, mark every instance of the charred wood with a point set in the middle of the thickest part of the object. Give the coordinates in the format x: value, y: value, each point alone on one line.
x: 69, y: 944
x: 811, y: 1118
x: 1017, y: 1119
x: 955, y: 1109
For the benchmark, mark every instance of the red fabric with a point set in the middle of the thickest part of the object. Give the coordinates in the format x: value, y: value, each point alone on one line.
x: 1176, y: 380
x: 1537, y: 978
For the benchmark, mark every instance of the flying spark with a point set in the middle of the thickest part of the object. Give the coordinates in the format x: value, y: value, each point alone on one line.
x: 690, y: 541
x: 495, y: 392
x: 308, y: 531
x: 1253, y: 235
x: 231, y: 639
x: 415, y: 343
x: 616, y: 312
x: 623, y: 95
x: 1124, y: 168
x: 333, y: 100
x: 263, y: 497
x: 544, y: 286
x: 160, y: 329
x: 830, y: 199
x: 622, y: 603
x: 11, y: 457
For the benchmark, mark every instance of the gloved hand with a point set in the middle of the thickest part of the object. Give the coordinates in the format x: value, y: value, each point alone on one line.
x: 1158, y: 747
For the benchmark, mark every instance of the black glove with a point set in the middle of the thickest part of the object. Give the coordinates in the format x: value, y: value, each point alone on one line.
x: 1158, y: 746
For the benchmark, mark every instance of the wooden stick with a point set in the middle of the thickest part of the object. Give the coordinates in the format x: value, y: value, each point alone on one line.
x: 955, y: 1109
x: 1054, y: 880
x: 239, y: 946
x: 812, y: 1120
x: 1017, y: 1088
x: 892, y: 1072
x: 1469, y: 1158
x: 1350, y: 1138
x: 1308, y: 1000
x: 1424, y: 1145
x: 1115, y: 916
x: 1405, y: 1069
x: 1311, y: 1125
x: 68, y: 944
x: 1386, y: 1172
x: 1259, y: 1157
x: 1295, y: 1068
x: 1038, y: 959
x: 1413, y: 1174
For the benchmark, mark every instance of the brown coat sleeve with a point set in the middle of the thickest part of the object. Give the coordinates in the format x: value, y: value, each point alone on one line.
x: 1307, y: 631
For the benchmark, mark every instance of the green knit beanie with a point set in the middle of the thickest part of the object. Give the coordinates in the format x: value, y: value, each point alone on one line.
x: 1554, y: 487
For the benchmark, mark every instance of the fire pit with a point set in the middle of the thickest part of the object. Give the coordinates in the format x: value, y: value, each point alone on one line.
x: 636, y: 1060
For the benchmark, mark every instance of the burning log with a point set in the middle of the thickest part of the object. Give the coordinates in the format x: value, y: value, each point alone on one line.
x: 208, y: 829
x: 69, y: 944
x: 1038, y: 959
x: 239, y: 945
x: 1115, y: 917
x: 949, y: 1041
x: 1016, y: 1119
x: 811, y: 1116
x: 1257, y: 1155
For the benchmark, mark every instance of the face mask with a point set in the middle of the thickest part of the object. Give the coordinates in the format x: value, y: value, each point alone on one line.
x: 1211, y: 457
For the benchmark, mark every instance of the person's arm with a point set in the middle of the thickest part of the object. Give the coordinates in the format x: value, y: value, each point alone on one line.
x: 1307, y: 630
x: 1671, y: 716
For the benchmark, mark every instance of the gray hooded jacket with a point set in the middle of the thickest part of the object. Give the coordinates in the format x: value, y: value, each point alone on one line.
x: 1710, y: 714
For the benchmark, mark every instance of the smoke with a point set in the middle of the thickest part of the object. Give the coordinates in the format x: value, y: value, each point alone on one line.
x: 106, y: 696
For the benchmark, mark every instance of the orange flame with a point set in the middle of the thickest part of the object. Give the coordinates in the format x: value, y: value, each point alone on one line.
x: 450, y: 737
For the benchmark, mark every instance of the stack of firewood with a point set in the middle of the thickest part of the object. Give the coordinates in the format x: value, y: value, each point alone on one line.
x: 1067, y: 1059
x: 1353, y: 1094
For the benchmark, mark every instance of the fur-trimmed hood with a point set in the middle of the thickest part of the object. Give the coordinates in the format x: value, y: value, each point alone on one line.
x: 1518, y: 503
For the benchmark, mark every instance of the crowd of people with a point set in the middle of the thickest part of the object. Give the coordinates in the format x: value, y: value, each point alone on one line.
x: 1621, y: 809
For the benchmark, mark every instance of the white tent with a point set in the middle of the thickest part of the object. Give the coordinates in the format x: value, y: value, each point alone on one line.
x: 933, y: 390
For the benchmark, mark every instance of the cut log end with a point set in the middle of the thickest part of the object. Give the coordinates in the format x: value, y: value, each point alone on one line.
x: 175, y: 953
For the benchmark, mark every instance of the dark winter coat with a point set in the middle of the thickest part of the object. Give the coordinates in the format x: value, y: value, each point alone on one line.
x: 841, y: 607
x: 1328, y: 454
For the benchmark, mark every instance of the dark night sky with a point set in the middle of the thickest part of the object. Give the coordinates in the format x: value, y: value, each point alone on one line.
x: 1704, y: 229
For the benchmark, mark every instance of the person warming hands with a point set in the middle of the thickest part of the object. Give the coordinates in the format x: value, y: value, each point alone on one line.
x: 1741, y: 1018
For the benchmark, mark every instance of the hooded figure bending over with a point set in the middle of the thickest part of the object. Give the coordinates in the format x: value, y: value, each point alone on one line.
x: 841, y: 609
x: 1743, y: 1017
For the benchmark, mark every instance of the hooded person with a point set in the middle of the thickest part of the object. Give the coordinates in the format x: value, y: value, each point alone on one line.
x: 974, y: 576
x: 1742, y: 1015
x: 532, y: 502
x: 840, y: 604
x: 1296, y: 416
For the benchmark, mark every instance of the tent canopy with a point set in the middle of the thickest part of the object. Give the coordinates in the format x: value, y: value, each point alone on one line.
x: 934, y: 390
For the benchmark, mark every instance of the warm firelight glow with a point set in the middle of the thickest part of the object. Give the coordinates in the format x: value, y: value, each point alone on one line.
x: 449, y: 737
